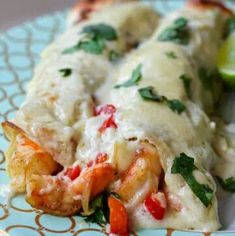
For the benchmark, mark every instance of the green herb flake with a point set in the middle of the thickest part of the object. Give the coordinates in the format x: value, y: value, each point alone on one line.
x: 148, y: 93
x: 228, y: 184
x: 176, y: 106
x: 186, y: 81
x: 99, y: 207
x: 229, y: 26
x: 135, y: 78
x: 97, y: 217
x: 95, y: 42
x: 114, y: 56
x: 93, y: 46
x: 184, y: 165
x: 171, y: 54
x: 71, y: 50
x: 178, y: 32
x: 103, y: 31
x: 65, y: 72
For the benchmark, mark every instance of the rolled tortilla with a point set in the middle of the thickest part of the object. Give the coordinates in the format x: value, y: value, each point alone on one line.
x: 56, y: 107
x: 191, y: 131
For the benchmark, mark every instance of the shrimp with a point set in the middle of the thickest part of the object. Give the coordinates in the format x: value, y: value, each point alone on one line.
x: 25, y: 157
x: 205, y: 4
x: 59, y: 195
x: 142, y: 176
x: 84, y: 8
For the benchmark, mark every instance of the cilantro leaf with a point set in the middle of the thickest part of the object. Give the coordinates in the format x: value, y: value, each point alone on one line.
x: 114, y: 56
x: 187, y: 81
x: 148, y: 93
x: 176, y: 106
x: 93, y: 46
x: 135, y: 78
x: 65, y: 72
x: 184, y: 165
x: 95, y: 43
x: 178, y: 32
x: 171, y: 54
x: 103, y: 31
x: 99, y: 206
x: 97, y: 217
x: 230, y: 26
x: 228, y: 184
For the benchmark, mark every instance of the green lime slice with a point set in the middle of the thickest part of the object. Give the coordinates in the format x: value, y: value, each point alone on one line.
x: 226, y: 61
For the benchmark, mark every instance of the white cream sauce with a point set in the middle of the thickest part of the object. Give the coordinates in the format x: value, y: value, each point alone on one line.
x: 61, y: 105
x: 58, y: 111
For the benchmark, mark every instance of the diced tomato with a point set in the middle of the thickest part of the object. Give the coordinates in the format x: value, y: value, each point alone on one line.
x: 210, y: 3
x: 107, y: 124
x: 118, y: 217
x: 73, y: 172
x: 101, y: 157
x: 106, y: 109
x: 155, y: 203
x: 90, y: 164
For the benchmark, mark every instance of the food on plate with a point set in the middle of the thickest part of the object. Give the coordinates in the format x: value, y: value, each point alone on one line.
x: 117, y: 125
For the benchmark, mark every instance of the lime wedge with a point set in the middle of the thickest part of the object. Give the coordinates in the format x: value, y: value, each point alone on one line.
x: 226, y: 61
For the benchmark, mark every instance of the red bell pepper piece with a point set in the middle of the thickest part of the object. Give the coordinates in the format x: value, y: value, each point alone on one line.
x: 155, y: 203
x: 107, y: 124
x: 73, y: 172
x: 106, y: 109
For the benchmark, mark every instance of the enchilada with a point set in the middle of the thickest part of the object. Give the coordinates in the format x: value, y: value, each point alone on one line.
x: 109, y: 116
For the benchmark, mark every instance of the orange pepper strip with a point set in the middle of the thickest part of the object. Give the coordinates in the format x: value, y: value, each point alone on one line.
x: 118, y: 217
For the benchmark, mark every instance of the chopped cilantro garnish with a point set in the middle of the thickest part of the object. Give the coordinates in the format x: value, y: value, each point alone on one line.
x: 97, y: 217
x: 176, y: 106
x: 171, y: 54
x: 228, y: 184
x: 99, y: 207
x: 178, y: 32
x: 95, y: 41
x: 184, y: 165
x: 114, y: 56
x: 65, y: 72
x: 135, y: 78
x: 186, y: 81
x: 148, y: 93
x: 230, y: 26
x: 103, y: 31
x: 95, y: 45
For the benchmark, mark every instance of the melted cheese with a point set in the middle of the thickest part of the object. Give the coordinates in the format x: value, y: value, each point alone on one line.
x: 62, y: 104
x: 62, y: 120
